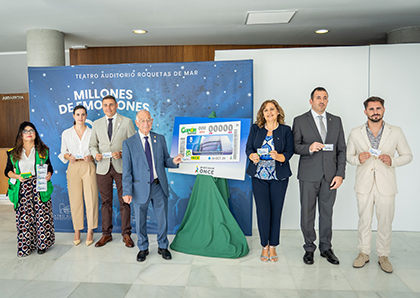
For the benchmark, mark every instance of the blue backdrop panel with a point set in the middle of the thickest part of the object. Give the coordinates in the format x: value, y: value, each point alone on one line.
x: 167, y: 90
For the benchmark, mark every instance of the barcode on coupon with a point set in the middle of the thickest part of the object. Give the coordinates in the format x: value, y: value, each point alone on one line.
x: 235, y: 143
x: 182, y: 146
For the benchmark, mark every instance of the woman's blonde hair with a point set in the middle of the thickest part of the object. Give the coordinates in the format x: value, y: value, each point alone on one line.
x: 260, y: 115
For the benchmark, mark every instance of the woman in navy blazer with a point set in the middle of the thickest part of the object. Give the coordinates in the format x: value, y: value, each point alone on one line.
x: 269, y: 148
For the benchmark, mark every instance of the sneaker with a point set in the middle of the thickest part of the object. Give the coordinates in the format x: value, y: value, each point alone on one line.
x: 361, y: 260
x: 385, y: 264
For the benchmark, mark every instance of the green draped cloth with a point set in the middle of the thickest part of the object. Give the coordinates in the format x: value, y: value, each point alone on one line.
x: 209, y: 228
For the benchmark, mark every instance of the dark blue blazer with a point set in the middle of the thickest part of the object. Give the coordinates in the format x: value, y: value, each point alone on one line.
x: 283, y: 143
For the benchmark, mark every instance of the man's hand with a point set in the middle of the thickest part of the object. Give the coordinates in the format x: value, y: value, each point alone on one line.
x: 363, y: 157
x: 116, y: 154
x: 336, y: 182
x: 127, y: 199
x: 98, y: 156
x: 386, y: 159
x: 315, y: 147
x: 177, y: 159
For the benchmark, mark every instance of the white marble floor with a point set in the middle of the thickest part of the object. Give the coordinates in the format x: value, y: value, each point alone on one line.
x: 112, y: 271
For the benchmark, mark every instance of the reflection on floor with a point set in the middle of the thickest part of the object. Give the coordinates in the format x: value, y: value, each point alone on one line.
x: 112, y: 271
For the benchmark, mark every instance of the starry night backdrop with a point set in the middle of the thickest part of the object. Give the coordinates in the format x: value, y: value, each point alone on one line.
x: 167, y: 90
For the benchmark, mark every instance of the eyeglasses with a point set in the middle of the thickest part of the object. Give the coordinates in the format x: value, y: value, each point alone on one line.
x: 31, y: 131
x: 143, y: 121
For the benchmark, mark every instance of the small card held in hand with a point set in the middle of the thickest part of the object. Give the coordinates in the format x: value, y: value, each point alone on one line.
x: 328, y: 147
x: 262, y: 151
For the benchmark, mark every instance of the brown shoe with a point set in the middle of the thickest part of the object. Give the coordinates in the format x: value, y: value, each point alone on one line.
x: 127, y: 240
x: 104, y: 240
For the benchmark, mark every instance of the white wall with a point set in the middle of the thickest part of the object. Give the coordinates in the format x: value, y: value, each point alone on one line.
x: 289, y: 75
x: 14, y: 72
x: 395, y: 76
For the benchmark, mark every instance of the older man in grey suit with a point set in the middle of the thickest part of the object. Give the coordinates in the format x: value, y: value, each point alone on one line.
x: 144, y: 181
x: 319, y: 140
x: 107, y: 136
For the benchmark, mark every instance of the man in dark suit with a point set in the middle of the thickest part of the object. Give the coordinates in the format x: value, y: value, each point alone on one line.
x: 145, y: 157
x: 319, y: 140
x: 106, y: 139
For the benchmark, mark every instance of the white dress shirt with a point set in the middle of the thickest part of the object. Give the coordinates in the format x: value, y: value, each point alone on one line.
x: 114, y: 122
x: 316, y: 119
x: 72, y: 144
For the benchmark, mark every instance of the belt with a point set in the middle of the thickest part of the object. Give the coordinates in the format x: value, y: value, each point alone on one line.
x: 156, y: 181
x: 79, y: 159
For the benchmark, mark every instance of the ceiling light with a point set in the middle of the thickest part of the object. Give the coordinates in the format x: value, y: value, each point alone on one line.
x: 139, y: 31
x: 269, y: 17
x: 79, y: 47
x: 322, y: 31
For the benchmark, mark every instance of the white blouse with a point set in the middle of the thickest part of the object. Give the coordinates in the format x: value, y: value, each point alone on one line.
x: 72, y: 144
x: 26, y: 163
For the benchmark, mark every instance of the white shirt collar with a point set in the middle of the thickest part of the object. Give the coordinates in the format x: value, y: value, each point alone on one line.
x: 113, y: 117
x: 142, y: 135
x: 315, y: 114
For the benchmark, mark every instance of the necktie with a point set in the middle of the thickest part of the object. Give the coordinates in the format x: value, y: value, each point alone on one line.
x: 110, y: 129
x: 149, y: 157
x: 323, y: 129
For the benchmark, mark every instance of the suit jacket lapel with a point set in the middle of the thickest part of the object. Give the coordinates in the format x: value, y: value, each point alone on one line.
x: 385, y: 134
x: 105, y: 125
x: 118, y: 121
x: 153, y: 142
x: 313, y: 125
x: 329, y: 127
x: 364, y: 135
x: 277, y: 138
x: 139, y: 144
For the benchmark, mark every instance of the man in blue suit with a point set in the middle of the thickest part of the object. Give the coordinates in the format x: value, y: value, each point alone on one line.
x: 144, y: 180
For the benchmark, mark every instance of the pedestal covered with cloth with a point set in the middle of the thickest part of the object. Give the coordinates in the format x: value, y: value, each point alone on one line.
x: 209, y: 228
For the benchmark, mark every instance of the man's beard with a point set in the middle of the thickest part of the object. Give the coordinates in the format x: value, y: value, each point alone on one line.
x: 375, y: 119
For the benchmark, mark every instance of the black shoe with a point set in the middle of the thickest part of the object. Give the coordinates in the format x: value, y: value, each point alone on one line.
x: 141, y: 256
x: 41, y: 251
x: 166, y: 254
x: 308, y: 258
x: 331, y: 257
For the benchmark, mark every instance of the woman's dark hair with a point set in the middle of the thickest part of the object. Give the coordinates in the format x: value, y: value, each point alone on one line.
x: 18, y: 147
x: 78, y: 108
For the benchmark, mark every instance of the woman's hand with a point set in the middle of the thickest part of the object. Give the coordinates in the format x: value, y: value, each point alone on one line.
x: 254, y: 157
x: 48, y: 177
x: 70, y: 157
x: 88, y: 158
x: 13, y: 175
x: 277, y: 156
